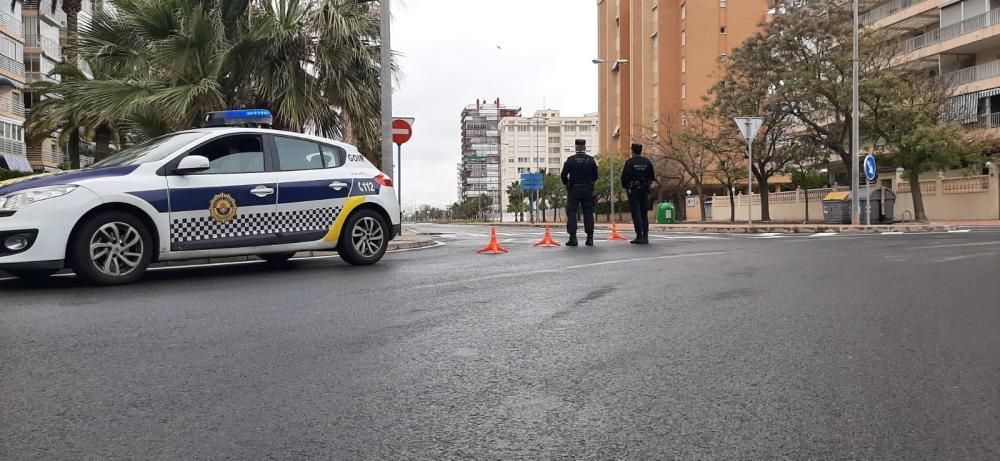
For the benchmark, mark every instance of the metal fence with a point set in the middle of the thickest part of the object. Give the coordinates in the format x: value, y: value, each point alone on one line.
x: 974, y: 73
x: 10, y: 22
x: 49, y: 46
x: 11, y: 65
x: 889, y: 9
x: 952, y: 31
x: 13, y: 106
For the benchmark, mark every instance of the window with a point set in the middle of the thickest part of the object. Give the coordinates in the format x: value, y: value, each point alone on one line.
x: 554, y: 139
x: 722, y: 3
x: 724, y: 58
x: 684, y: 64
x: 684, y: 91
x: 553, y: 150
x: 233, y: 154
x: 150, y: 151
x: 684, y: 11
x: 722, y: 30
x: 296, y: 154
x: 683, y: 38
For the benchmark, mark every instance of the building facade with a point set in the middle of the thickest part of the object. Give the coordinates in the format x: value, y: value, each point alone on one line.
x: 957, y: 40
x: 479, y: 170
x: 673, y: 49
x: 542, y: 143
x: 32, y: 37
x: 12, y: 82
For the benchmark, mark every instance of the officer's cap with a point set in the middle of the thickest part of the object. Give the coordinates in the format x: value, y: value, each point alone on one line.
x: 581, y: 142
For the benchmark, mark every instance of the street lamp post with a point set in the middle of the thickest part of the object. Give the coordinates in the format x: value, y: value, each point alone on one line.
x: 611, y: 158
x: 385, y: 77
x: 855, y: 126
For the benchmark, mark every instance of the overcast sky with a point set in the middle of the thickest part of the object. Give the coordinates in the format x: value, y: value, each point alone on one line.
x: 450, y: 56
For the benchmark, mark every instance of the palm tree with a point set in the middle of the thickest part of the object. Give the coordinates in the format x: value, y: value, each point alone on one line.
x: 72, y: 10
x: 167, y: 62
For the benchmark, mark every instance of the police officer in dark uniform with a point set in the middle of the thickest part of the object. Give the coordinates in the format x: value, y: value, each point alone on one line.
x: 637, y: 177
x: 579, y: 174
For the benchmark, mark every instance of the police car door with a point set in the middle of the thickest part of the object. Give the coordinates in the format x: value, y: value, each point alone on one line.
x: 230, y: 205
x: 312, y: 188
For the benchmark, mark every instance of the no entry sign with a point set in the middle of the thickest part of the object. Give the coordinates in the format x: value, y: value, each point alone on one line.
x: 402, y: 130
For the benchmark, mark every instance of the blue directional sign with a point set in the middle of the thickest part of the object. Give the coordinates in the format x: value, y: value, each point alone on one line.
x: 531, y: 181
x: 870, y: 172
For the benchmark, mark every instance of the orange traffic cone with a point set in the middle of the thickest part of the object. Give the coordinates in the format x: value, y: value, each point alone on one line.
x: 494, y: 245
x: 547, y: 241
x: 614, y: 233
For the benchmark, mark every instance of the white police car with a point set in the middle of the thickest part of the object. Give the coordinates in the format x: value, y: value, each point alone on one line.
x: 208, y: 192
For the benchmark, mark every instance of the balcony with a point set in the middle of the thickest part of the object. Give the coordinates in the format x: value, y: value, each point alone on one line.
x: 10, y: 146
x: 36, y: 77
x: 956, y: 30
x: 10, y: 65
x: 45, y: 10
x: 11, y: 106
x: 974, y: 73
x: 50, y: 157
x: 49, y: 47
x: 884, y: 11
x: 985, y: 122
x: 12, y: 23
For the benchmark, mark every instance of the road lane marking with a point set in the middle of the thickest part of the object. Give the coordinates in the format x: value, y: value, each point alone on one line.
x: 824, y: 234
x: 653, y: 258
x: 892, y: 233
x: 954, y: 245
x: 560, y: 270
x: 960, y: 231
x: 959, y: 258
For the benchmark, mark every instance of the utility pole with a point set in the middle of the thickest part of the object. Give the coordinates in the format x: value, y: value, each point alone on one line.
x: 385, y: 79
x: 855, y: 126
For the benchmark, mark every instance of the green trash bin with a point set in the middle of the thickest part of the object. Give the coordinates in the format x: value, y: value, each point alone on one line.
x: 666, y: 214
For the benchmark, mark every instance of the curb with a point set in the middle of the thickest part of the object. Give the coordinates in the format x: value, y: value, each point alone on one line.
x: 776, y: 228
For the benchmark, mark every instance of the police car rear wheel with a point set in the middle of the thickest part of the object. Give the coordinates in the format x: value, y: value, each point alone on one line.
x: 111, y: 249
x: 364, y: 239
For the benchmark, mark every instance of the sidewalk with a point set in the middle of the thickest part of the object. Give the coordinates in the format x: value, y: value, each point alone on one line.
x: 784, y: 228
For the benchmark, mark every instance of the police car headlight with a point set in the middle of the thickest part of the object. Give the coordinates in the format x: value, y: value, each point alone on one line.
x: 20, y: 199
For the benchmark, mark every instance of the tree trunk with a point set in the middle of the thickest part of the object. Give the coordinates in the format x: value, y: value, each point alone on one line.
x: 765, y: 206
x: 918, y: 198
x: 102, y: 142
x: 806, y: 191
x: 700, y: 189
x: 73, y: 148
x: 732, y: 203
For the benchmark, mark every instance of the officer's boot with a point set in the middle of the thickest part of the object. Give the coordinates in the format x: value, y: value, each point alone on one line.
x: 590, y: 240
x: 638, y: 239
x: 645, y: 238
x: 572, y: 241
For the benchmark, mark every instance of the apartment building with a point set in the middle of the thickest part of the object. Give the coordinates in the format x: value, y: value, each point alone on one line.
x: 479, y: 170
x: 542, y: 142
x: 673, y: 49
x: 12, y: 82
x: 957, y: 40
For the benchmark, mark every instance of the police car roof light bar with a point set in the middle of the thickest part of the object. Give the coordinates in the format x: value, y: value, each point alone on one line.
x: 252, y: 118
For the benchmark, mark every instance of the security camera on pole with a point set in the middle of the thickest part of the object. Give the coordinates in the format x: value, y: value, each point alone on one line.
x: 749, y: 127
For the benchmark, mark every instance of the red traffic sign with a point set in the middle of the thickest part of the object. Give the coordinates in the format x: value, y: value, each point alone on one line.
x: 402, y: 130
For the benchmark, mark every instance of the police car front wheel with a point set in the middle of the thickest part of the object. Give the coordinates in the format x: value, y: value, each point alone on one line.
x: 364, y: 239
x: 111, y: 248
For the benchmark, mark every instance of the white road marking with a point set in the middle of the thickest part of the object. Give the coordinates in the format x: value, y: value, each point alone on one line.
x: 561, y: 270
x: 960, y: 231
x: 892, y: 233
x: 958, y: 258
x: 954, y: 245
x: 824, y: 234
x: 653, y: 258
x: 768, y: 235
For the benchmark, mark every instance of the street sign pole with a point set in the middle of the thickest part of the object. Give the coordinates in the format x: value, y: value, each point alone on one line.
x: 749, y: 127
x: 399, y: 184
x: 871, y: 173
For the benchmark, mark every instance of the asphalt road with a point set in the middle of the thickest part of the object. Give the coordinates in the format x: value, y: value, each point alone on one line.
x: 695, y: 347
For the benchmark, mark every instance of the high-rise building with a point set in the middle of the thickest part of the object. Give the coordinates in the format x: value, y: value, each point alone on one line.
x: 479, y: 170
x: 673, y: 49
x: 957, y: 40
x: 542, y: 142
x: 12, y: 80
x: 45, y: 38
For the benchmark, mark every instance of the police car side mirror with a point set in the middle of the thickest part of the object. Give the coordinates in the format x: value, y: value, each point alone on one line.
x: 192, y: 164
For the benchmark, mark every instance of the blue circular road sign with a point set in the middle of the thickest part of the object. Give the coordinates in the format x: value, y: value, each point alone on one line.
x: 870, y: 172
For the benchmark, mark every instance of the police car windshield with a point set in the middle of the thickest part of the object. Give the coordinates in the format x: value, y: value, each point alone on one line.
x: 149, y: 151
